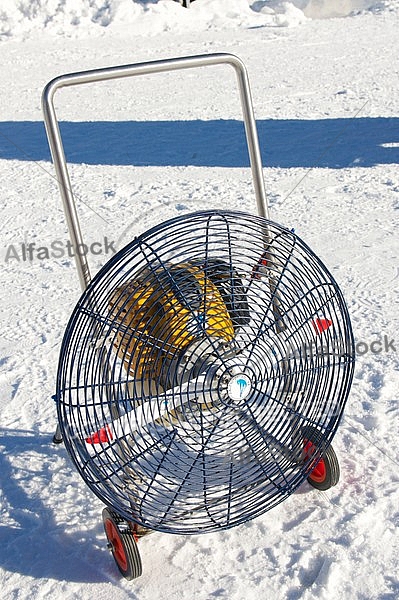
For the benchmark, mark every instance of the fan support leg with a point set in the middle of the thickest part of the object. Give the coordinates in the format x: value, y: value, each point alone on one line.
x: 57, y: 437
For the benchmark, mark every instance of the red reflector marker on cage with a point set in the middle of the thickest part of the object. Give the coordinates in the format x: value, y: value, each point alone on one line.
x: 260, y: 268
x: 101, y: 436
x: 321, y: 325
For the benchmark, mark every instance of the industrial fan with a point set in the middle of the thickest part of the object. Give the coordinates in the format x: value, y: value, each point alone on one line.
x: 203, y: 375
x: 204, y: 371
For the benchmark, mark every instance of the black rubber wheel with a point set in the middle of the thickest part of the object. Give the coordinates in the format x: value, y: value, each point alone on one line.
x: 122, y: 545
x: 323, y: 465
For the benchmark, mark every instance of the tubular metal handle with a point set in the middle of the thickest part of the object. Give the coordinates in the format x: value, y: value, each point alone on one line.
x: 145, y: 68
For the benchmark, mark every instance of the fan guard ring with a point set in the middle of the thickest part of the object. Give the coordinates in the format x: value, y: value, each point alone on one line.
x: 192, y: 366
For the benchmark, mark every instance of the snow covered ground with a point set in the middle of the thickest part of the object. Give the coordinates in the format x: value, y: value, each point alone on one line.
x: 326, y: 100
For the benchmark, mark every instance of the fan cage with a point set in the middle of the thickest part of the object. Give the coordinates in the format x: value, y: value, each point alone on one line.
x: 156, y: 355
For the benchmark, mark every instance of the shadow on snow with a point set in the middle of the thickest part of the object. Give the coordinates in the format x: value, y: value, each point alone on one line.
x: 35, y: 540
x: 332, y: 143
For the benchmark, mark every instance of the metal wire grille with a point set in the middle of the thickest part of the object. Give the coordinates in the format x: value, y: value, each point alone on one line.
x: 194, y: 366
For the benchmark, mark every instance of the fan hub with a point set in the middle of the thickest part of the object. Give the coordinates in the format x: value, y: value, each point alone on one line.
x: 239, y: 387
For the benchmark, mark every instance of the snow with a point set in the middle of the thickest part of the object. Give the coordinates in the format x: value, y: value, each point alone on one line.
x: 325, y: 97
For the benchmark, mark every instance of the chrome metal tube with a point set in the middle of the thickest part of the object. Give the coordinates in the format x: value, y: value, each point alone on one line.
x: 145, y: 68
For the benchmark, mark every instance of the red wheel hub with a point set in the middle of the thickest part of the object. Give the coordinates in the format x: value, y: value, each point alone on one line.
x: 318, y: 472
x: 116, y: 544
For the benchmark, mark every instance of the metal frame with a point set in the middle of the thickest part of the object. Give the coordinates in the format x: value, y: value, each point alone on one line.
x: 291, y: 398
x: 145, y: 68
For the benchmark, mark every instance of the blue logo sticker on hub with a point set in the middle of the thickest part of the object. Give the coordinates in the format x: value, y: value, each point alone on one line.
x: 239, y: 387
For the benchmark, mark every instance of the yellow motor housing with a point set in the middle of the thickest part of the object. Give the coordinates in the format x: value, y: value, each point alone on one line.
x: 160, y: 312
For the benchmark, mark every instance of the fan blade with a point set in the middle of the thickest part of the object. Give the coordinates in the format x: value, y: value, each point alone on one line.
x: 145, y: 414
